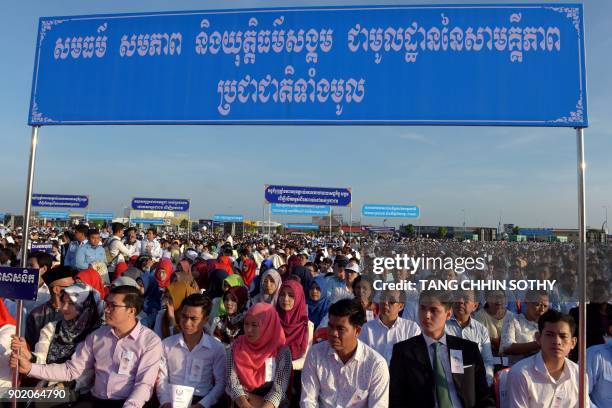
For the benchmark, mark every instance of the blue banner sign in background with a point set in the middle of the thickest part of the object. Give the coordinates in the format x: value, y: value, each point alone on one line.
x: 160, y: 204
x: 41, y: 247
x: 104, y: 216
x: 390, y: 211
x: 302, y: 226
x: 290, y: 209
x: 326, y: 196
x: 150, y: 221
x: 56, y: 215
x: 18, y: 283
x: 536, y: 232
x: 60, y: 201
x: 433, y: 64
x: 228, y: 218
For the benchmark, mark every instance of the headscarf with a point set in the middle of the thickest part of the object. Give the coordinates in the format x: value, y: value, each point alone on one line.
x: 277, y: 280
x: 185, y: 265
x: 228, y: 327
x: 295, y: 321
x: 250, y: 357
x: 5, y: 316
x: 241, y: 295
x: 201, y: 267
x: 249, y: 274
x: 165, y: 264
x: 318, y: 310
x: 91, y: 277
x: 68, y: 334
x: 215, y: 286
x: 120, y: 268
x: 125, y: 281
x: 305, y: 277
x: 232, y: 281
x: 178, y: 292
x: 277, y: 261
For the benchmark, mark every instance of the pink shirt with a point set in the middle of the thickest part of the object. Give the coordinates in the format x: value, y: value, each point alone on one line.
x: 124, y: 368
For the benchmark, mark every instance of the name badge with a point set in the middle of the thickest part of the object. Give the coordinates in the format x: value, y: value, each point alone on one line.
x: 127, y: 362
x: 456, y: 360
x: 358, y: 397
x: 270, y: 368
x: 559, y: 399
x: 195, y: 374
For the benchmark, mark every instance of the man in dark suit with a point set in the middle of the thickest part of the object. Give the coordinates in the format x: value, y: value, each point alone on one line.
x: 435, y: 370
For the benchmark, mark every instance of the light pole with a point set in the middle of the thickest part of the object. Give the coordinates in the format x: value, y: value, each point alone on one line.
x: 463, y: 210
x: 605, y: 230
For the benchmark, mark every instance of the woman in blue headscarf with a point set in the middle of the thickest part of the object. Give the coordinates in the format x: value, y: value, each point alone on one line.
x: 318, y: 302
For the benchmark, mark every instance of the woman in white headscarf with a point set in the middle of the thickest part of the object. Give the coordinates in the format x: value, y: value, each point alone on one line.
x: 82, y: 312
x: 269, y: 286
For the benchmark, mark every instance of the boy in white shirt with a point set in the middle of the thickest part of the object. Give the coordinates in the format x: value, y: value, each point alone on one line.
x: 549, y: 378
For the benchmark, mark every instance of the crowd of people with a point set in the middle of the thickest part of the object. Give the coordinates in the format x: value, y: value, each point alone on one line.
x: 123, y: 317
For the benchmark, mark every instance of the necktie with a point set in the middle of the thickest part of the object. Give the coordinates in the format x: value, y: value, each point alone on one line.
x: 442, y: 393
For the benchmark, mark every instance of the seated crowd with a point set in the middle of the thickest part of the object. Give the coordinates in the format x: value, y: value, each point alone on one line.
x: 137, y: 323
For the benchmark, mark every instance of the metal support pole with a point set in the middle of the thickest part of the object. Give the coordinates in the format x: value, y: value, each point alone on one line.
x: 269, y: 221
x: 26, y: 238
x: 582, y: 390
x: 189, y: 223
x: 330, y: 225
x: 350, y: 223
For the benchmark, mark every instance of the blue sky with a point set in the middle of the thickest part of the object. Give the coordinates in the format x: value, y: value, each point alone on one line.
x: 526, y: 174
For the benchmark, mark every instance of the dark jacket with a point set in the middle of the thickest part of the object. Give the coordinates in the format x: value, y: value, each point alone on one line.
x: 412, y: 382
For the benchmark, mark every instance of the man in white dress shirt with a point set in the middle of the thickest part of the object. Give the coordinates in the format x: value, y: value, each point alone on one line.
x: 151, y: 246
x: 549, y: 378
x: 193, y: 358
x: 388, y: 328
x: 462, y: 325
x: 343, y: 371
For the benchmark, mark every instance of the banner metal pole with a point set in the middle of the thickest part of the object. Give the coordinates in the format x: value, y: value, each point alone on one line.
x: 582, y: 262
x: 24, y: 243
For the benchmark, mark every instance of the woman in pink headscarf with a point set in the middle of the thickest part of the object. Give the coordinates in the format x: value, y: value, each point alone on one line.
x: 259, y: 362
x: 293, y: 313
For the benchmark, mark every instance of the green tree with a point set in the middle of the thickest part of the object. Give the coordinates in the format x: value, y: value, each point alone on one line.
x: 410, y: 230
x: 516, y: 229
x: 442, y: 232
x: 184, y: 223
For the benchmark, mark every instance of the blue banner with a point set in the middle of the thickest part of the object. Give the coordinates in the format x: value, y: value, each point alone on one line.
x: 228, y: 218
x: 41, y: 247
x: 59, y: 201
x: 290, y: 209
x: 535, y: 232
x: 326, y: 196
x: 160, y: 204
x: 150, y: 221
x: 501, y: 64
x: 390, y: 211
x: 55, y: 215
x: 18, y: 283
x: 302, y: 226
x: 104, y: 216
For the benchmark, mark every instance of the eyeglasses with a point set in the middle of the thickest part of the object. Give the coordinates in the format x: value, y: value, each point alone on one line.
x: 113, y: 306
